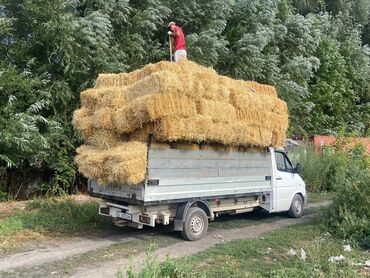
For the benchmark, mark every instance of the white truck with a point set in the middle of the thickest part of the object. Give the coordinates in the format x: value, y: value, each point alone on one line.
x: 187, y: 188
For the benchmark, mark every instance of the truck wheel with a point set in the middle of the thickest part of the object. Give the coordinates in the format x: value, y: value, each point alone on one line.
x: 296, y: 208
x: 196, y: 224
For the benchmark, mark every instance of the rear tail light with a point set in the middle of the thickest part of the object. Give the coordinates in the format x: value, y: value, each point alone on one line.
x: 104, y: 210
x: 144, y: 219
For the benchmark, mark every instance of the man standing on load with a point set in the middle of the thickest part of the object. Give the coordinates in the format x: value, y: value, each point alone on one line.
x: 179, y: 41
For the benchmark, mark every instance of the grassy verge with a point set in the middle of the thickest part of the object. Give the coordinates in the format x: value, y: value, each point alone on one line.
x: 93, y: 258
x: 316, y: 197
x: 268, y: 256
x: 50, y: 218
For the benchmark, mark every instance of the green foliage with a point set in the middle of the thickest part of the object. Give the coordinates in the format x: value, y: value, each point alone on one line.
x: 23, y: 127
x: 348, y: 216
x: 153, y: 268
x: 312, y: 51
x: 321, y: 171
x: 52, y: 215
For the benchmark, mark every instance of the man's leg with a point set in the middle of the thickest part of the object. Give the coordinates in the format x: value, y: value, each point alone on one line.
x: 180, y: 55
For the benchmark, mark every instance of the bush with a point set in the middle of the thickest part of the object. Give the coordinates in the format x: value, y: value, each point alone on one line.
x: 348, y: 216
x: 320, y: 171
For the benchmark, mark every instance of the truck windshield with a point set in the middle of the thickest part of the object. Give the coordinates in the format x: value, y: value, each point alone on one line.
x: 282, y: 162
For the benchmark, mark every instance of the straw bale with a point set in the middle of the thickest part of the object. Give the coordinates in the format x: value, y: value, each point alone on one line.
x: 160, y: 146
x: 266, y: 119
x: 194, y: 129
x: 97, y: 98
x: 156, y: 83
x: 83, y: 121
x: 218, y: 111
x: 213, y: 147
x: 261, y: 88
x: 202, y: 129
x: 90, y: 161
x: 185, y: 146
x: 125, y: 163
x: 104, y: 139
x: 142, y: 134
x: 103, y: 119
x: 112, y: 80
x: 152, y: 107
x: 247, y: 100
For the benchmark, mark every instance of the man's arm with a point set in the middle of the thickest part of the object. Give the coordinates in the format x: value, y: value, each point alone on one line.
x: 175, y: 34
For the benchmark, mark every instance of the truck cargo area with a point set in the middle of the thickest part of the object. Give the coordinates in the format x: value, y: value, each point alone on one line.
x: 204, y: 184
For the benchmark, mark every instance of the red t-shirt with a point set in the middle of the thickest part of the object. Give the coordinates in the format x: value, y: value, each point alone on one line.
x: 179, y: 41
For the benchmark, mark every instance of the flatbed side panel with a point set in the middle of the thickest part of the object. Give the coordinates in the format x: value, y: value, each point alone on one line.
x: 197, y: 174
x: 122, y: 191
x: 204, y: 187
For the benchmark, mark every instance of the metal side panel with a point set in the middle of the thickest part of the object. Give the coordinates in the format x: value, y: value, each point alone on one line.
x: 119, y: 191
x: 174, y: 163
x: 183, y: 174
x: 185, y: 188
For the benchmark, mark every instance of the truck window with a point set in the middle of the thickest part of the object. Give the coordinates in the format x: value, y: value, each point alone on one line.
x: 282, y: 163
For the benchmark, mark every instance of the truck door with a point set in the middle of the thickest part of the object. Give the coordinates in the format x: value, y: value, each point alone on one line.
x: 285, y: 182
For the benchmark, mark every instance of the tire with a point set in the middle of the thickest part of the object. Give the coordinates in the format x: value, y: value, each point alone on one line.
x: 296, y: 208
x: 196, y: 224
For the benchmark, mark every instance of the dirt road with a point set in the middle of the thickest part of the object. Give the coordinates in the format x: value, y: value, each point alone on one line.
x: 78, y: 246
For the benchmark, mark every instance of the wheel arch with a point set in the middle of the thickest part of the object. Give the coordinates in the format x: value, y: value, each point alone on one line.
x: 183, y: 209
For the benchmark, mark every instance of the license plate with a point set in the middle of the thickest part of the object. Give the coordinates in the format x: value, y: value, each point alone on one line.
x: 124, y: 215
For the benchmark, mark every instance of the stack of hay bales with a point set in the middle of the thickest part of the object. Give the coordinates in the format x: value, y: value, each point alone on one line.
x: 182, y: 105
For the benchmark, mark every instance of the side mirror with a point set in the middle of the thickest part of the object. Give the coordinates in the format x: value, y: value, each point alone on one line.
x: 298, y: 168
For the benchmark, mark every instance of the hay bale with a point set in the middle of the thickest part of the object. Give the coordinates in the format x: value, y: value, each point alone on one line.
x: 160, y: 146
x: 103, y: 119
x: 127, y: 163
x: 142, y: 134
x: 104, y: 139
x: 124, y: 163
x: 261, y: 88
x: 113, y: 97
x: 151, y: 108
x: 218, y: 111
x: 203, y: 129
x: 194, y: 129
x: 107, y: 80
x: 83, y: 121
x: 185, y: 146
x: 157, y: 83
x: 91, y: 162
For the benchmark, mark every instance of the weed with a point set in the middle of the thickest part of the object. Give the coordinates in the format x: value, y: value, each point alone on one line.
x: 46, y: 216
x: 152, y: 268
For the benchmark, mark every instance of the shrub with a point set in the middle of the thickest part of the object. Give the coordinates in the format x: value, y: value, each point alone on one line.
x: 348, y: 216
x: 319, y: 171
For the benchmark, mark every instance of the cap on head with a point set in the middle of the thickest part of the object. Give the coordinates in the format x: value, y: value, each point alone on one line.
x: 171, y: 23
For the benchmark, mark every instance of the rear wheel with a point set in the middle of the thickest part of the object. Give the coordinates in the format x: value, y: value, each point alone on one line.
x: 196, y: 224
x: 296, y: 208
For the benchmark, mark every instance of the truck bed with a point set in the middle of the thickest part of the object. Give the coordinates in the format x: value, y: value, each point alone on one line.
x: 178, y: 175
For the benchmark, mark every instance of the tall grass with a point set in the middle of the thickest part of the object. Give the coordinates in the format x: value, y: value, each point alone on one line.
x: 345, y: 171
x: 320, y: 171
x: 48, y: 216
x: 349, y: 215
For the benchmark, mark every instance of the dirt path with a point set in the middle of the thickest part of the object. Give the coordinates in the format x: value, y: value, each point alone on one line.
x: 186, y: 248
x: 78, y: 246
